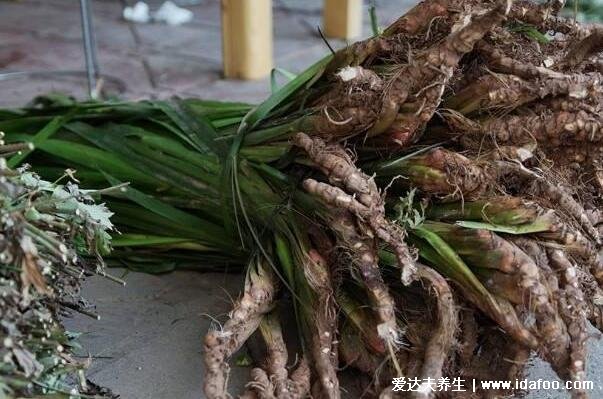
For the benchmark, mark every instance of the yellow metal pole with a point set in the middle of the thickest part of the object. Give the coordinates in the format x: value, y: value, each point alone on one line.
x: 247, y: 38
x: 342, y: 19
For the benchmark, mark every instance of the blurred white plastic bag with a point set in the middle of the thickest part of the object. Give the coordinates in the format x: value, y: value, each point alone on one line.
x: 171, y: 14
x: 168, y: 13
x: 139, y: 13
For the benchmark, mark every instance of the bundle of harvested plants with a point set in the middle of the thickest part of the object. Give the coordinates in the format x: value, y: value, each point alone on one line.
x: 427, y: 202
x: 51, y: 236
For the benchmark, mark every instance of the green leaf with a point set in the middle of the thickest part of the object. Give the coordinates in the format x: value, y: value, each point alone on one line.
x: 243, y: 360
x: 455, y: 267
x: 51, y: 128
x: 208, y: 232
x: 224, y: 122
x: 529, y: 31
x: 285, y: 258
x: 395, y: 166
x: 230, y: 186
x: 95, y: 158
x: 111, y: 138
x: 26, y: 124
x: 373, y: 17
x: 257, y: 114
x: 284, y: 72
x: 536, y: 227
x: 444, y: 258
x: 208, y: 161
x: 135, y: 240
x: 195, y: 128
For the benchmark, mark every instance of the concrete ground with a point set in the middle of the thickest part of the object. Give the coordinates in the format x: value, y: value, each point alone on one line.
x: 148, y: 341
x: 152, y: 60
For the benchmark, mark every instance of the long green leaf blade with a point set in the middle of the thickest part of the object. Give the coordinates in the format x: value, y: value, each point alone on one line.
x: 51, y: 128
